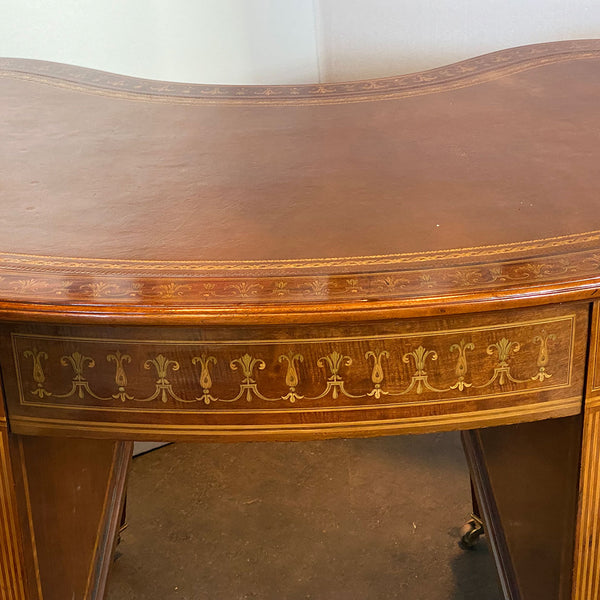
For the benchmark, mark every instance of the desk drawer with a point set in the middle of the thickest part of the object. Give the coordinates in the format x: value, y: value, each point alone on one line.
x: 405, y: 375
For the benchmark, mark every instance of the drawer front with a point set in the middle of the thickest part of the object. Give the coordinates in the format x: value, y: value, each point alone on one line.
x: 406, y: 375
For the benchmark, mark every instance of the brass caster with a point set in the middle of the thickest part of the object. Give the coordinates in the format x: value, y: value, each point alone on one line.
x: 117, y: 554
x: 470, y: 532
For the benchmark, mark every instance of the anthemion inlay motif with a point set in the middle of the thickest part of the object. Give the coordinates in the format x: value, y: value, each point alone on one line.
x: 335, y: 366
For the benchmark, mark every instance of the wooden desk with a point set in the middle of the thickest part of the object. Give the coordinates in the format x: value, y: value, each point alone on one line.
x: 185, y: 262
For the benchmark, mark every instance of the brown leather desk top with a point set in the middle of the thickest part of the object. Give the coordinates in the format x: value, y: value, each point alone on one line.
x: 124, y: 199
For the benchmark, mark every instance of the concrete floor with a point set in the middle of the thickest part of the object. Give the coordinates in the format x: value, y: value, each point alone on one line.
x: 366, y: 519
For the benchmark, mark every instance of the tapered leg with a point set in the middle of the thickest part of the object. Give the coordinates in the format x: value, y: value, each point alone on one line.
x: 61, y: 502
x: 586, y: 574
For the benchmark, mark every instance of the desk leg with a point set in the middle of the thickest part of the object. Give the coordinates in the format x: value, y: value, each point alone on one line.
x: 586, y: 574
x: 61, y: 503
x: 525, y: 477
x: 12, y: 579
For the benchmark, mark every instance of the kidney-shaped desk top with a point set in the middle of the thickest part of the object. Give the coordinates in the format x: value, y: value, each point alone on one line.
x: 406, y: 254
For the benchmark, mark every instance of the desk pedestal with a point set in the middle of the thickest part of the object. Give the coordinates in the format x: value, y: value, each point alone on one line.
x: 62, y: 500
x: 525, y: 478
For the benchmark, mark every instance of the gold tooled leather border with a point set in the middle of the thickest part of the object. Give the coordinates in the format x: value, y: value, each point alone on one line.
x: 40, y: 262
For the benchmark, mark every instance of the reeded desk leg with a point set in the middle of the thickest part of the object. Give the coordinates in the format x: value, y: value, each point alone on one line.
x: 61, y: 502
x: 586, y: 571
x: 12, y: 580
x: 586, y: 574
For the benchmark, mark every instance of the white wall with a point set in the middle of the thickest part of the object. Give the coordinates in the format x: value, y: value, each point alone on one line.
x: 360, y: 39
x: 204, y: 41
x: 281, y: 41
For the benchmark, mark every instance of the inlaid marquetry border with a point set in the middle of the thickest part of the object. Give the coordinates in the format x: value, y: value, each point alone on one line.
x: 458, y: 75
x: 71, y: 289
x: 297, y: 343
x: 185, y: 283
